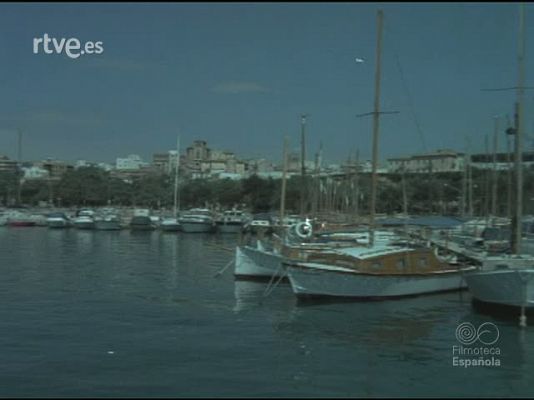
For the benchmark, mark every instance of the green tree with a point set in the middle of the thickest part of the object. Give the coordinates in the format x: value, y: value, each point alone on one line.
x: 8, y: 186
x: 260, y: 194
x: 34, y: 191
x: 152, y: 190
x: 226, y: 192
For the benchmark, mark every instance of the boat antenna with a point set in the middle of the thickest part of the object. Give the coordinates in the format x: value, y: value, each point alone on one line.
x: 284, y: 183
x: 303, y: 191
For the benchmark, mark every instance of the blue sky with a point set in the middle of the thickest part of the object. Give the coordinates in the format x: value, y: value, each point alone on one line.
x: 240, y: 74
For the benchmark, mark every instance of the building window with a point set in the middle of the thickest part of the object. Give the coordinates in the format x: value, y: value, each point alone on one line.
x: 401, y: 263
x: 423, y: 262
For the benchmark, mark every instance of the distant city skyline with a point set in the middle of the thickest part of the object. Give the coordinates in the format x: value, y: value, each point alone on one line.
x: 239, y: 75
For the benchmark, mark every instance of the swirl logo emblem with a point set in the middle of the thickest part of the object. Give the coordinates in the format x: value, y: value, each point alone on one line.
x: 487, y: 333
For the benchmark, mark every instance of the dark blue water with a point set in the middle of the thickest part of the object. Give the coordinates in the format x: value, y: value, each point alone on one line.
x: 141, y: 314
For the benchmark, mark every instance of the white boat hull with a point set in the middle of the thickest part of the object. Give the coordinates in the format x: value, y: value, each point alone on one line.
x: 84, y: 225
x: 256, y: 263
x: 170, y: 227
x: 57, y: 223
x: 196, y: 227
x: 108, y: 225
x: 229, y: 227
x: 320, y: 280
x: 511, y: 287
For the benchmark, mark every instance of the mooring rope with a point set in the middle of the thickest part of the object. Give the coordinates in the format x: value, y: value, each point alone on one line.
x: 224, y: 268
x: 269, y: 289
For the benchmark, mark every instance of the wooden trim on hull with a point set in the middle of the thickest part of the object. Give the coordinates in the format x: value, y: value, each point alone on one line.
x: 334, y: 298
x: 258, y: 278
x: 377, y: 275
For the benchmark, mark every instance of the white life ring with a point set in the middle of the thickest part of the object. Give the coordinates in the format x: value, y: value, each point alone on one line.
x: 304, y: 230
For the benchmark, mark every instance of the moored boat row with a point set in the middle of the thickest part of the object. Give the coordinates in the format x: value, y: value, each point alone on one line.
x: 196, y: 220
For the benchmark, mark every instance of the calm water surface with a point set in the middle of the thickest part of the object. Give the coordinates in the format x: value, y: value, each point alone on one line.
x: 87, y: 313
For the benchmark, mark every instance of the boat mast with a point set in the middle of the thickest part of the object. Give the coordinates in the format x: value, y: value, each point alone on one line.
x: 284, y: 182
x: 516, y: 242
x: 376, y: 116
x: 508, y: 172
x: 19, y: 167
x: 469, y: 171
x: 177, y: 164
x: 356, y: 186
x: 486, y: 182
x: 404, y: 193
x: 464, y: 187
x: 494, y: 170
x: 303, y: 165
x: 316, y: 181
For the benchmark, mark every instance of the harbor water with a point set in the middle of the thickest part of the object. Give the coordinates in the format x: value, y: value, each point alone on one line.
x: 118, y: 313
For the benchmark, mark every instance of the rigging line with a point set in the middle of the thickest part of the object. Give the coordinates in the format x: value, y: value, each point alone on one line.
x: 411, y: 104
x: 406, y: 89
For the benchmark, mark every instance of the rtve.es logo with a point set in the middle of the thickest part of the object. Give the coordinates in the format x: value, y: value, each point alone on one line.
x: 71, y: 47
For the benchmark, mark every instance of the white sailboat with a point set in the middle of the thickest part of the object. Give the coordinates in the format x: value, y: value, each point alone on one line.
x: 257, y: 261
x: 265, y: 259
x: 509, y: 279
x: 378, y: 270
x: 374, y: 273
x: 254, y: 260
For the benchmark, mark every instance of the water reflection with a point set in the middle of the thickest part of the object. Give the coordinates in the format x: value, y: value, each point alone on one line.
x: 374, y: 323
x: 251, y: 295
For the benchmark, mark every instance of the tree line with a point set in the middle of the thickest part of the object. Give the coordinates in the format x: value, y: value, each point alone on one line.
x: 438, y: 193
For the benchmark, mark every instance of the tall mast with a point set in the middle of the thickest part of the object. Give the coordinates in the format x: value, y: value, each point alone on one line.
x: 284, y: 180
x: 303, y: 164
x: 356, y: 185
x: 376, y: 119
x: 177, y: 163
x: 494, y: 171
x: 508, y: 177
x: 19, y: 151
x: 464, y: 187
x: 486, y: 181
x: 469, y: 170
x: 404, y: 193
x: 316, y: 180
x: 516, y: 242
x: 19, y: 162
